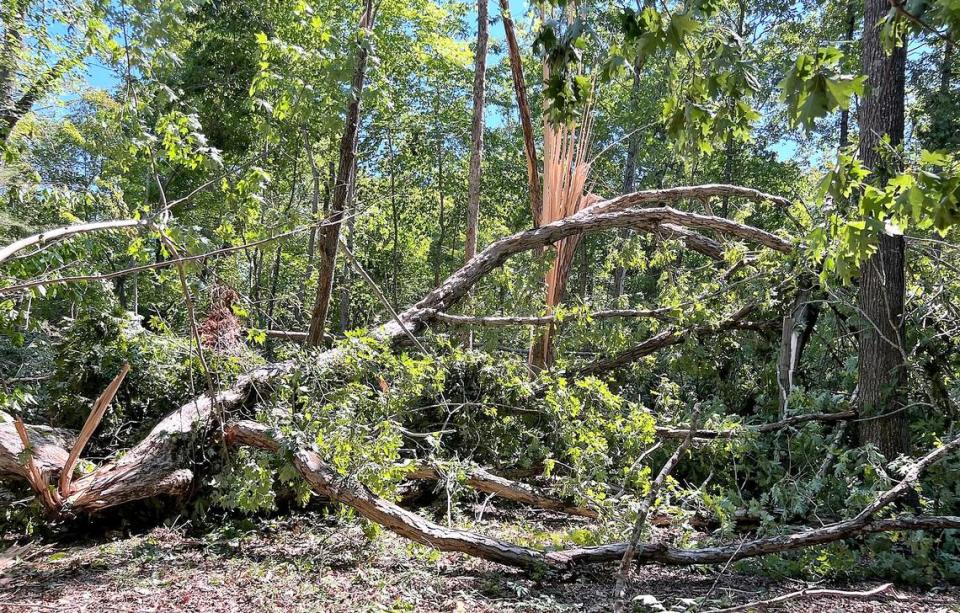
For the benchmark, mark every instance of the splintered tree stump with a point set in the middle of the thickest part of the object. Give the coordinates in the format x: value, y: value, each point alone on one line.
x: 49, y: 449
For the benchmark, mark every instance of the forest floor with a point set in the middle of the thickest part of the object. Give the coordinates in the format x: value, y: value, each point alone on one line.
x: 312, y: 563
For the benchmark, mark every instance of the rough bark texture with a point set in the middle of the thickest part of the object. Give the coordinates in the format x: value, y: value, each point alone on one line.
x: 330, y: 235
x: 882, y: 371
x: 844, y: 140
x: 49, y: 450
x: 161, y: 463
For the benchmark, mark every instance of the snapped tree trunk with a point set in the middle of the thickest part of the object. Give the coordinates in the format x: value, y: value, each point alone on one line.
x: 797, y: 327
x: 882, y: 371
x: 330, y: 234
x: 523, y: 107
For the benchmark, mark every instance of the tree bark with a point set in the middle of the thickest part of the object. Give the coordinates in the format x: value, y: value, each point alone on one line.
x: 476, y: 133
x: 330, y: 235
x: 14, y: 19
x: 442, y: 229
x: 848, y: 43
x: 476, y: 144
x: 485, y: 481
x: 523, y: 107
x: 797, y: 327
x: 395, y: 218
x: 162, y: 462
x: 314, y: 211
x: 666, y: 338
x: 348, y: 491
x: 882, y: 370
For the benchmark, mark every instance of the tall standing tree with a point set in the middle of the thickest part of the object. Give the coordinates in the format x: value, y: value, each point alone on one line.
x: 476, y: 132
x: 882, y: 369
x: 476, y: 140
x: 330, y: 234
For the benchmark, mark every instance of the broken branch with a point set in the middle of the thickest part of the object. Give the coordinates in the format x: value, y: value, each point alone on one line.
x: 805, y: 594
x: 93, y: 420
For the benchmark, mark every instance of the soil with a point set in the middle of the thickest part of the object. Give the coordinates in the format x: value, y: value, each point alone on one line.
x: 311, y: 562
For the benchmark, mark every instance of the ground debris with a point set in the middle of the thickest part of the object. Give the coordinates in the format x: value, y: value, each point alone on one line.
x: 307, y: 563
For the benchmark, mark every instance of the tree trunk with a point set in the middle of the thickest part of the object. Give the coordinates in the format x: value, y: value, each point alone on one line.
x: 395, y: 218
x: 330, y: 235
x: 523, y: 107
x: 314, y: 211
x: 629, y: 184
x: 442, y: 230
x: 476, y: 142
x: 882, y: 371
x: 946, y: 69
x: 845, y: 113
x: 345, y: 281
x: 476, y: 133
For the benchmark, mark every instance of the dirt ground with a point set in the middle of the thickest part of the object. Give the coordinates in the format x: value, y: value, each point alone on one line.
x: 312, y: 563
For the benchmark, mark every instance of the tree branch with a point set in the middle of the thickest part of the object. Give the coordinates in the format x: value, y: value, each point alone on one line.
x: 48, y: 236
x: 805, y: 594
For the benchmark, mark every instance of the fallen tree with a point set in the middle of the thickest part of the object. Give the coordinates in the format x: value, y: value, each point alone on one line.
x: 163, y: 462
x: 346, y: 490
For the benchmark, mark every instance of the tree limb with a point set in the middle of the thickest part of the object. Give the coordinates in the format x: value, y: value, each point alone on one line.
x: 770, y: 427
x: 48, y: 236
x: 805, y: 594
x: 626, y: 562
x: 485, y: 481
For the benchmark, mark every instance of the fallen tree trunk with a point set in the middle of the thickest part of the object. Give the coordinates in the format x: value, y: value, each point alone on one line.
x: 162, y: 463
x: 56, y: 234
x: 502, y: 321
x: 666, y: 338
x: 348, y: 491
x: 804, y: 594
x: 327, y: 482
x: 49, y: 450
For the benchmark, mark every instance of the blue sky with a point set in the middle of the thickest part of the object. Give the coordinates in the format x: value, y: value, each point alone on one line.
x: 102, y: 77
